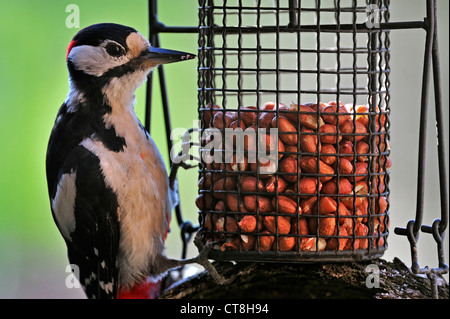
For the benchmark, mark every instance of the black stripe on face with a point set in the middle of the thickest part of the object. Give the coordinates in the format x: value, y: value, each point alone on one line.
x: 118, y: 71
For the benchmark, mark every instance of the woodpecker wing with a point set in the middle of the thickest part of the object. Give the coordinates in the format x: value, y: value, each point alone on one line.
x: 86, y: 212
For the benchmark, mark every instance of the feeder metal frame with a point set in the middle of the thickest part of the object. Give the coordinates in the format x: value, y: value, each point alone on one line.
x: 431, y: 62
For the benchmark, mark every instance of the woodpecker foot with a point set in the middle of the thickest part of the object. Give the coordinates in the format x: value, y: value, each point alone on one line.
x: 176, y: 164
x: 203, y: 260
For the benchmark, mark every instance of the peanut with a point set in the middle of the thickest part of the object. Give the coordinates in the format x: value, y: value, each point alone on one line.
x: 309, y: 141
x: 265, y: 168
x: 346, y: 148
x: 345, y: 221
x: 307, y: 243
x: 229, y: 226
x: 264, y: 203
x: 308, y: 204
x: 362, y: 148
x: 248, y: 224
x: 208, y: 114
x: 349, y: 130
x: 289, y: 166
x: 361, y: 171
x: 327, y: 225
x: 251, y: 184
x: 309, y: 164
x: 330, y: 118
x: 291, y: 149
x: 285, y: 205
x: 280, y: 223
x: 265, y: 119
x: 230, y: 245
x: 222, y: 119
x: 248, y: 115
x: 237, y: 124
x: 313, y: 106
x: 220, y: 206
x: 332, y: 243
x: 286, y: 131
x: 331, y: 187
x: 266, y: 241
x: 328, y: 149
x: 300, y: 199
x: 307, y: 116
x: 307, y: 186
x: 238, y: 165
x: 234, y: 203
x: 248, y: 242
x: 299, y: 227
x: 223, y: 184
x: 274, y: 184
x: 329, y: 134
x: 321, y: 244
x: 204, y: 201
x: 362, y: 231
x: 286, y: 243
x: 327, y: 205
x: 345, y: 166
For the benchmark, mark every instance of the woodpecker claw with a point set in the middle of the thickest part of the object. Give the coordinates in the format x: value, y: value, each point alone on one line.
x: 202, y: 259
x: 174, y: 170
x: 180, y: 159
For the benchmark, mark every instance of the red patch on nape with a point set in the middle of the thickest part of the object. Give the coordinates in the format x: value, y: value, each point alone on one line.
x: 70, y: 47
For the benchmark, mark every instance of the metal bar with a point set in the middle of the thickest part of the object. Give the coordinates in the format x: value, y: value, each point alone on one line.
x: 186, y: 228
x: 292, y: 13
x: 294, y: 25
x: 177, y: 29
x: 323, y: 28
x: 298, y: 257
x: 413, y: 226
x: 149, y: 84
x: 440, y: 131
x: 439, y: 225
x: 423, y: 121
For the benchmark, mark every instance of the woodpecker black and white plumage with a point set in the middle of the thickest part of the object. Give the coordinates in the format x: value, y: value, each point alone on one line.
x: 108, y: 185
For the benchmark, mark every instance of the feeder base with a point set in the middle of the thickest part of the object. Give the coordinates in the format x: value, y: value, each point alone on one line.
x: 309, y: 281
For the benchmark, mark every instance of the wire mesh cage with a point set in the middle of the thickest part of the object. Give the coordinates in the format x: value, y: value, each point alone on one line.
x: 294, y: 112
x: 256, y: 55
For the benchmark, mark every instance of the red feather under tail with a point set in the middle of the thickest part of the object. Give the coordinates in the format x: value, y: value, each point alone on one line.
x: 149, y: 289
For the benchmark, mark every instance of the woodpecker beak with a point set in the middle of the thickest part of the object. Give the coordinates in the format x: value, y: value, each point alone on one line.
x: 156, y: 56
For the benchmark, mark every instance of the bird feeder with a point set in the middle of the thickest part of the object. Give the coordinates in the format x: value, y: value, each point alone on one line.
x: 294, y: 110
x: 308, y: 86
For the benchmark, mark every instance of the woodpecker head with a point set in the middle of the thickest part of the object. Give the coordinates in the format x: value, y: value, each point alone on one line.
x: 113, y: 57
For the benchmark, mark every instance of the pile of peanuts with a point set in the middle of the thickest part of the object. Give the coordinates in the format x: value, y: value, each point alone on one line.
x: 328, y: 191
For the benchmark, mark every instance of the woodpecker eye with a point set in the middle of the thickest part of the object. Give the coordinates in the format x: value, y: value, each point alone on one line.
x: 114, y: 49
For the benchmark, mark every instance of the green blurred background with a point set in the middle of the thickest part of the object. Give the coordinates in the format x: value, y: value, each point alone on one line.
x: 33, y: 84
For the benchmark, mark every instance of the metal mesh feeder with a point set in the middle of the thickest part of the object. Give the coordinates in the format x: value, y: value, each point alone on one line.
x: 266, y: 59
x: 294, y: 112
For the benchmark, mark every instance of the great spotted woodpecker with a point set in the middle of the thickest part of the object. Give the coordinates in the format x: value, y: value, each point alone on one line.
x: 109, y: 189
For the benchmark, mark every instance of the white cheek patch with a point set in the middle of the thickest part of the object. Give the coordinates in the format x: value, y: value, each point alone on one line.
x: 94, y: 60
x: 63, y: 204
